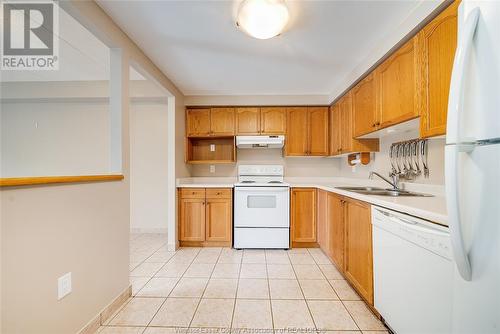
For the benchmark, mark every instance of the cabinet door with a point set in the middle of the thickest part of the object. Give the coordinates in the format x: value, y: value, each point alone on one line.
x: 192, y: 219
x: 396, y: 86
x: 335, y: 218
x: 364, y: 107
x: 358, y: 248
x: 318, y: 131
x: 247, y: 121
x: 303, y: 215
x: 322, y: 220
x: 198, y: 122
x: 335, y: 129
x: 218, y: 219
x: 222, y: 121
x: 437, y: 43
x: 297, y: 141
x: 346, y: 124
x: 273, y: 121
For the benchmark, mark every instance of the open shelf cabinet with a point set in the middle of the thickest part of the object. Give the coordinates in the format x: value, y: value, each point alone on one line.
x: 212, y: 150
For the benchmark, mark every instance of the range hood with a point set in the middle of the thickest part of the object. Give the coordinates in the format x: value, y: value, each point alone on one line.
x: 260, y: 141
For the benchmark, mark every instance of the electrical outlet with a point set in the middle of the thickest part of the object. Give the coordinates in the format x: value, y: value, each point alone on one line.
x: 353, y: 169
x: 212, y: 147
x: 63, y: 285
x: 212, y: 168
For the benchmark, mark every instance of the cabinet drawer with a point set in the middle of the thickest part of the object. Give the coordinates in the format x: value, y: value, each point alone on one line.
x: 192, y: 193
x: 219, y: 193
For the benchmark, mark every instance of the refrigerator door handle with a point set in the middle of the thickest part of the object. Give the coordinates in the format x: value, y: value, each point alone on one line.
x: 452, y: 202
x: 455, y: 106
x: 455, y: 100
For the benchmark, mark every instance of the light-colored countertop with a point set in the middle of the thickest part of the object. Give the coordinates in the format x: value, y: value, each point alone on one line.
x: 429, y: 208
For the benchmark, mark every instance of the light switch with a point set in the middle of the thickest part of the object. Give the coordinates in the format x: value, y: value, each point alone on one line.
x: 63, y: 286
x: 212, y: 147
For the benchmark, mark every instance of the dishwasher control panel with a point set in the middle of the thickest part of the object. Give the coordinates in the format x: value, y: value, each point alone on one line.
x: 430, y: 236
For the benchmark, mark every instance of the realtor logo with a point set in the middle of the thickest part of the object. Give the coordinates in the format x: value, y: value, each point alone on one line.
x: 30, y: 35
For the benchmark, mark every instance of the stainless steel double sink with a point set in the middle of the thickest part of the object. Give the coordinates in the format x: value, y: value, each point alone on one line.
x: 383, y: 192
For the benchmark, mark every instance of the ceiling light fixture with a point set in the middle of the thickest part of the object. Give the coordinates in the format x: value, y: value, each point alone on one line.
x: 263, y: 19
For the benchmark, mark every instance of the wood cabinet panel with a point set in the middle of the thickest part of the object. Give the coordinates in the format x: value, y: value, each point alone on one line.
x: 219, y: 193
x: 297, y: 136
x: 335, y: 217
x: 273, y: 121
x: 437, y: 43
x: 318, y: 131
x: 335, y: 130
x: 358, y: 247
x: 192, y: 219
x: 364, y: 106
x: 247, y: 121
x: 303, y: 215
x: 345, y: 107
x: 222, y: 121
x: 198, y: 122
x: 396, y: 86
x: 218, y: 219
x: 322, y: 220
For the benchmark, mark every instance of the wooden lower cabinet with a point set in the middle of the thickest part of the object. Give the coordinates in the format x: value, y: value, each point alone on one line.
x: 205, y: 217
x: 303, y: 217
x: 358, y: 259
x: 335, y: 216
x: 192, y: 219
x: 218, y: 214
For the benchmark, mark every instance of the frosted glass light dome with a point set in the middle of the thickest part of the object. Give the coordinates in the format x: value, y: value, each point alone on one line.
x: 263, y: 19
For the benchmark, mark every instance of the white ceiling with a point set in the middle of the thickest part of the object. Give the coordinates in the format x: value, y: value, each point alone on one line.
x: 197, y: 45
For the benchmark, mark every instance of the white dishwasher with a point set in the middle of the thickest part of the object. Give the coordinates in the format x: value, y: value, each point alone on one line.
x: 412, y: 273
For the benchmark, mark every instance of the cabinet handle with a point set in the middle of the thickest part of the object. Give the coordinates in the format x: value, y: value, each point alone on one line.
x: 219, y: 193
x: 193, y: 193
x: 378, y: 123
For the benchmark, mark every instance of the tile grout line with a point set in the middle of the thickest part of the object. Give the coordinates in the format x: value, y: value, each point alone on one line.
x: 269, y: 289
x: 204, y: 289
x: 165, y: 300
x: 355, y: 323
x: 302, y: 291
x: 237, y: 288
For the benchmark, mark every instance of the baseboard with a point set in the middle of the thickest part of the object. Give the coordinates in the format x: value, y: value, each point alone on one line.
x: 158, y: 230
x: 106, y: 312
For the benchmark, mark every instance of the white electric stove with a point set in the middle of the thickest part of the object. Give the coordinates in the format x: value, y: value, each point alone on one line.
x: 261, y: 208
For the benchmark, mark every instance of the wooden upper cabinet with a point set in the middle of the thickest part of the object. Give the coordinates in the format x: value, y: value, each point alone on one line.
x: 303, y: 215
x: 364, y: 106
x: 247, y: 121
x: 198, y: 122
x: 273, y: 121
x: 396, y: 86
x: 297, y: 131
x: 335, y: 129
x: 307, y: 131
x: 222, y: 121
x: 358, y: 264
x: 345, y: 107
x: 437, y: 43
x: 335, y: 218
x: 318, y: 131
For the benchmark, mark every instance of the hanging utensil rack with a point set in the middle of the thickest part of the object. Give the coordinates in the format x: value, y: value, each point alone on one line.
x: 409, y: 159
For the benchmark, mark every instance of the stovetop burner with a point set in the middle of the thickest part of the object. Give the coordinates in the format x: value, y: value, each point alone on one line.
x: 275, y: 182
x: 247, y: 181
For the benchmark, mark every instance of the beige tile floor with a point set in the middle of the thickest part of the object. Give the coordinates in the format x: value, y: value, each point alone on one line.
x: 222, y: 290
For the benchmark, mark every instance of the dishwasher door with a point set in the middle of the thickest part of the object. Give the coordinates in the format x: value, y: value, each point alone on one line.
x: 413, y: 268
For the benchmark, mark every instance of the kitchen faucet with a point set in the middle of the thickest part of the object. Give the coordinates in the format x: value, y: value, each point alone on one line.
x: 394, y: 176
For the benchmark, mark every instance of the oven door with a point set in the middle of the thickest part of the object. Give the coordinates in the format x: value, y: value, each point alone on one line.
x: 261, y: 207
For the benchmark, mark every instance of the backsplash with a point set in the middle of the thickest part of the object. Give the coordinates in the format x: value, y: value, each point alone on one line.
x: 294, y: 166
x: 381, y: 162
x: 335, y: 167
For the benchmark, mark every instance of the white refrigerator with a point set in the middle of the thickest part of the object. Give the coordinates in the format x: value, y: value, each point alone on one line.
x: 472, y: 169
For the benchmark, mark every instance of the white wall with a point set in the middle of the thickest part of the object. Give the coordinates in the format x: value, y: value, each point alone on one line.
x: 54, y: 138
x: 148, y: 167
x: 294, y: 166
